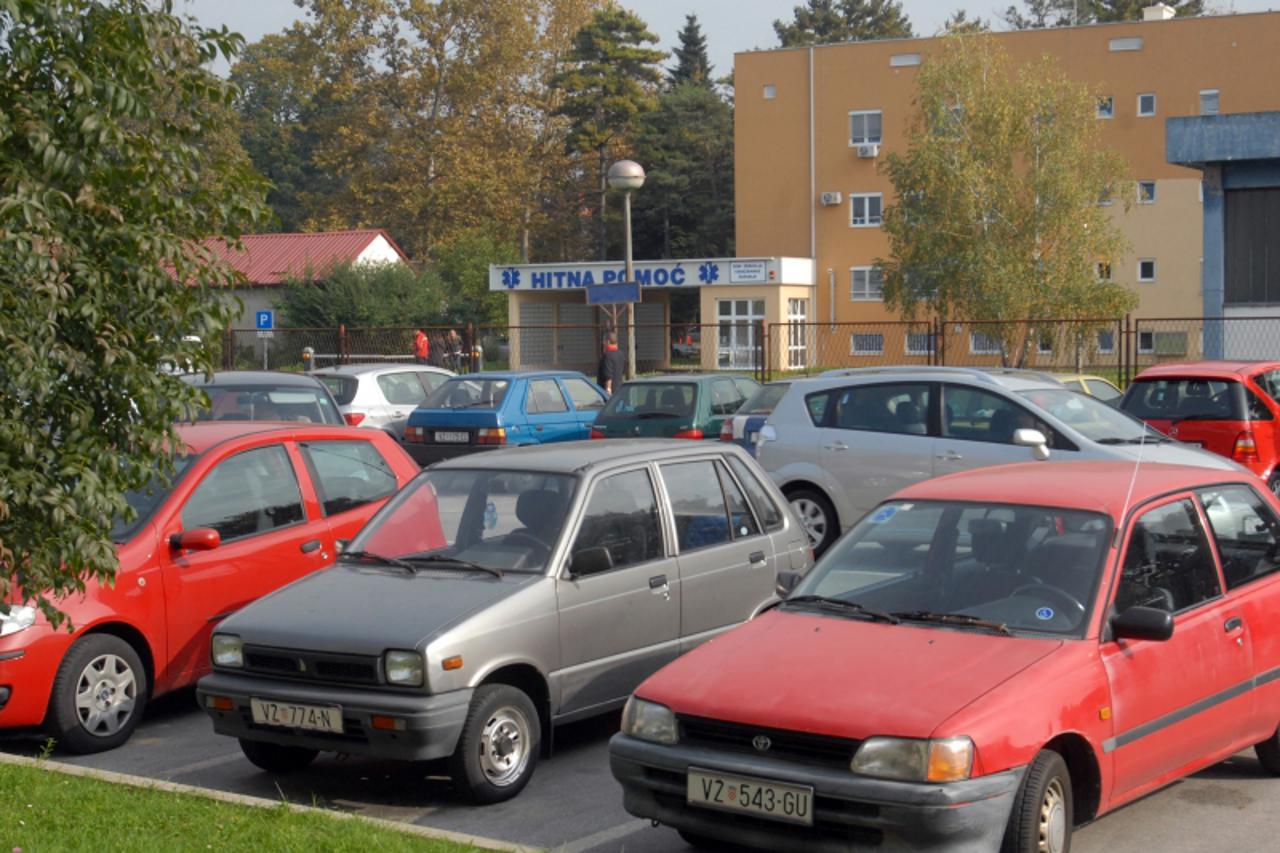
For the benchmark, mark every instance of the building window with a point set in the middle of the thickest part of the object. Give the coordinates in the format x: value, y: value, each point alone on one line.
x: 1208, y: 102
x: 864, y: 210
x: 1104, y: 270
x: 983, y: 344
x: 920, y: 343
x: 867, y: 284
x: 1106, y: 106
x: 901, y: 60
x: 864, y: 127
x: 1105, y: 197
x: 1146, y: 269
x: 869, y: 344
x: 737, y: 344
x: 1106, y: 342
x: 1121, y: 45
x: 797, y: 333
x: 1044, y: 344
x: 1146, y: 342
x: 1147, y: 104
x: 770, y: 91
x: 1146, y: 192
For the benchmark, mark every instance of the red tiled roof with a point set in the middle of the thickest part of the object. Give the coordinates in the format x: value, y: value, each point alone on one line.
x: 269, y: 259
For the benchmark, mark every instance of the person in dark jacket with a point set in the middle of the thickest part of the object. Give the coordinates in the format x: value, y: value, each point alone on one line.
x: 613, y: 366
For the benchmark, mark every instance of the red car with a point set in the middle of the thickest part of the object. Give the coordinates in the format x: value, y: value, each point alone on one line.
x: 253, y: 506
x: 1229, y: 407
x: 986, y: 659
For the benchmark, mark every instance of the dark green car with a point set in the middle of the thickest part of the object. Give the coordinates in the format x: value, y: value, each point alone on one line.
x: 673, y: 406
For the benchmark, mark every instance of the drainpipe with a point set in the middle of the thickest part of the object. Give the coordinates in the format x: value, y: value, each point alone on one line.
x: 813, y: 176
x: 831, y: 295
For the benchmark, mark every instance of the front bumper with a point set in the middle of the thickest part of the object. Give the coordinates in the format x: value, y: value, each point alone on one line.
x: 432, y: 724
x: 429, y: 454
x: 28, y: 670
x: 851, y: 813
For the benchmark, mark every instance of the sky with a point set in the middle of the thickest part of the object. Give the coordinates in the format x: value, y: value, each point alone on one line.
x: 731, y: 26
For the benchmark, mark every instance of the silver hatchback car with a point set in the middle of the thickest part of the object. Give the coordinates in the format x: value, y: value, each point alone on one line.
x: 498, y: 595
x: 381, y: 396
x: 840, y: 444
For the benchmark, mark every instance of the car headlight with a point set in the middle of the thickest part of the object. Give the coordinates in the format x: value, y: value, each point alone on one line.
x: 645, y: 720
x: 227, y: 650
x: 403, y: 668
x: 15, y: 618
x: 911, y: 760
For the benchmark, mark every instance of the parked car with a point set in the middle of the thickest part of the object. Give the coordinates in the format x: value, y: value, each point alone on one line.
x: 686, y: 344
x: 673, y: 406
x: 501, y: 594
x: 743, y: 426
x: 381, y: 396
x: 486, y: 411
x: 1228, y: 407
x: 1104, y: 390
x: 840, y: 444
x: 265, y: 395
x: 981, y: 659
x: 251, y: 507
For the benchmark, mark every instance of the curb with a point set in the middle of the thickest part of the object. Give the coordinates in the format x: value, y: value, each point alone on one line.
x: 258, y: 802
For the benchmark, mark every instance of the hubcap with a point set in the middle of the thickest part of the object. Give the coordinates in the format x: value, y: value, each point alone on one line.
x: 812, y: 518
x: 504, y: 746
x: 106, y: 694
x: 1053, y: 819
x: 1275, y: 485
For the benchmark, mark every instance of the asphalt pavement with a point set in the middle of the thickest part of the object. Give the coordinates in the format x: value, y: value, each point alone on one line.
x: 573, y: 805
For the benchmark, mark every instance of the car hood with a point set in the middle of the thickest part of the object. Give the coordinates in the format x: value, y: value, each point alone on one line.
x: 840, y: 677
x: 1176, y: 453
x: 360, y: 609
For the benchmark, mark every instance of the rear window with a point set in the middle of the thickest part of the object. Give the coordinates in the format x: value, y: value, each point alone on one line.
x: 1185, y: 399
x: 764, y: 400
x: 343, y: 388
x: 463, y: 393
x: 261, y: 403
x: 652, y: 400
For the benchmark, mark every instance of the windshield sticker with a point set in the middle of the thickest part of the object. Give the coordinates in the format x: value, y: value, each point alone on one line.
x: 1044, y: 614
x: 490, y: 516
x: 883, y: 514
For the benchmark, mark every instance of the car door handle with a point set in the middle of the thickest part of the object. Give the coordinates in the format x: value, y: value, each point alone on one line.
x: 949, y: 456
x: 1235, y: 623
x: 757, y: 558
x: 835, y: 445
x: 658, y: 582
x: 308, y: 547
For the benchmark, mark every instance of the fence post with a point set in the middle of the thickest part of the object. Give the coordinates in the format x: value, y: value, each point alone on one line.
x: 342, y: 343
x: 1127, y: 358
x: 763, y: 361
x: 470, y: 343
x: 228, y: 349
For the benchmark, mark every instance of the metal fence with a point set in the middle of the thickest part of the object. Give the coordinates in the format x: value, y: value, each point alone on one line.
x: 1191, y: 338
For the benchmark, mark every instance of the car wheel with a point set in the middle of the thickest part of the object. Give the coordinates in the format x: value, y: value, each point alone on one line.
x: 498, y: 748
x: 98, y: 695
x: 817, y: 517
x: 274, y: 758
x: 1042, y: 810
x: 1274, y: 484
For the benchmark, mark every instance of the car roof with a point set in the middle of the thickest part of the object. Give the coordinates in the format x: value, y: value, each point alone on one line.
x: 253, y: 378
x: 199, y: 437
x: 1103, y: 486
x: 1063, y: 377
x: 1194, y: 369
x: 520, y: 374
x: 377, y: 367
x: 685, y: 377
x: 582, y: 456
x: 1011, y: 379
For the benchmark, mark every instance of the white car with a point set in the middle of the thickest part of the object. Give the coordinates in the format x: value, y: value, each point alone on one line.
x: 381, y: 396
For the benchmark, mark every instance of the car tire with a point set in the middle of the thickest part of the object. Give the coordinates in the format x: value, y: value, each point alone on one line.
x: 817, y: 517
x: 276, y: 758
x: 1268, y: 753
x: 1043, y: 810
x: 498, y: 748
x: 701, y: 842
x: 1274, y: 484
x: 98, y: 695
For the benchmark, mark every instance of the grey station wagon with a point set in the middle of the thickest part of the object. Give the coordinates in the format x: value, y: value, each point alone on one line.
x: 500, y: 594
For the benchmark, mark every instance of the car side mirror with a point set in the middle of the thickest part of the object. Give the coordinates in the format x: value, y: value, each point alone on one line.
x: 590, y: 561
x: 196, y: 539
x: 1034, y: 439
x: 1142, y: 623
x: 787, y: 581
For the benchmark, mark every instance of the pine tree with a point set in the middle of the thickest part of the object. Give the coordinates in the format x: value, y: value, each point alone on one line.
x: 692, y: 62
x: 829, y: 21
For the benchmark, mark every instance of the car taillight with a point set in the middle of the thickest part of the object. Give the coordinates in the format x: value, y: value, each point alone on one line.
x: 414, y: 435
x: 491, y: 435
x: 595, y: 433
x: 353, y: 418
x: 726, y: 430
x: 689, y: 433
x: 1246, y: 449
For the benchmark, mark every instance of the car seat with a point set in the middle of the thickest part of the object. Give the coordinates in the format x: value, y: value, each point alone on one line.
x: 541, y: 512
x: 1069, y: 562
x: 910, y: 419
x: 671, y: 400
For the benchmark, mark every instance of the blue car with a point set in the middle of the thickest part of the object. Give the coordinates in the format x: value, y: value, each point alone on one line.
x: 482, y: 411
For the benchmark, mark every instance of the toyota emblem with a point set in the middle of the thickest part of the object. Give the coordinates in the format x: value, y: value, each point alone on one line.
x: 761, y: 743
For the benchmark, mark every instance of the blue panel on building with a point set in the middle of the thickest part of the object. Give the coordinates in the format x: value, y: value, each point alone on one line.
x: 614, y: 293
x: 1194, y: 140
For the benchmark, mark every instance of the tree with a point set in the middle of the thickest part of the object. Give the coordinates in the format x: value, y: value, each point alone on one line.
x: 106, y: 192
x: 1040, y: 14
x: 960, y: 23
x: 362, y: 295
x: 692, y: 63
x: 610, y: 80
x: 463, y: 271
x: 997, y: 214
x: 829, y: 21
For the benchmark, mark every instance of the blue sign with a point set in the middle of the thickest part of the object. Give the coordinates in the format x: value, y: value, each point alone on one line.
x: 613, y: 293
x: 266, y: 320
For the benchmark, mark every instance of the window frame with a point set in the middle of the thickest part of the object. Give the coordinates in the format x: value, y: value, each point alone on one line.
x: 1152, y: 111
x: 1109, y: 348
x: 932, y: 348
x: 665, y: 551
x: 1110, y: 109
x: 531, y: 407
x: 740, y: 472
x: 854, y: 142
x: 1144, y: 279
x: 677, y: 548
x: 866, y: 219
x: 317, y: 482
x: 1145, y: 198
x: 857, y: 353
x: 1217, y: 102
x: 1216, y: 545
x: 297, y: 483
x: 566, y: 389
x: 868, y: 294
x: 994, y: 347
x: 1127, y: 533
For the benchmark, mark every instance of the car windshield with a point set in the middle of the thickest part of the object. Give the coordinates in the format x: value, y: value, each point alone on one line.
x: 343, y: 388
x: 506, y: 520
x: 763, y: 401
x: 261, y: 403
x: 1014, y: 568
x: 1091, y: 418
x: 146, y: 500
x: 461, y: 393
x: 1185, y: 399
x: 651, y: 400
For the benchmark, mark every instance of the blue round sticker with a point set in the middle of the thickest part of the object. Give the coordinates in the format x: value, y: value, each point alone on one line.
x: 1044, y: 614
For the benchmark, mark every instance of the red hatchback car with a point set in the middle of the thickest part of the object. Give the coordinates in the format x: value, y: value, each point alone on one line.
x: 1229, y: 407
x: 982, y: 663
x: 253, y: 506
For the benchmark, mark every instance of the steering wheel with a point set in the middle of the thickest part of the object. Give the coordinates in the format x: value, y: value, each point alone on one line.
x: 528, y: 538
x: 1058, y: 594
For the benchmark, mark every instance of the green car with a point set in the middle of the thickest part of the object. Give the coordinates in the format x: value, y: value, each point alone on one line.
x: 670, y: 406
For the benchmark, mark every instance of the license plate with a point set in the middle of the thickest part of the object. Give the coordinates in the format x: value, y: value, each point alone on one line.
x: 445, y: 437
x: 742, y: 794
x: 319, y: 718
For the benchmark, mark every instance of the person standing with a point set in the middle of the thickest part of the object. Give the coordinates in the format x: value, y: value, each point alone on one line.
x: 613, y: 366
x: 421, y: 347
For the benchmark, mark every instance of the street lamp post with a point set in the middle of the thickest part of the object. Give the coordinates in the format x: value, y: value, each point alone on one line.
x: 628, y: 175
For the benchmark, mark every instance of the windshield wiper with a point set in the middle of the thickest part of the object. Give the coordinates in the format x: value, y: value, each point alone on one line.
x: 953, y: 619
x: 1138, y: 439
x: 371, y: 557
x: 842, y: 605
x: 415, y: 563
x: 646, y: 415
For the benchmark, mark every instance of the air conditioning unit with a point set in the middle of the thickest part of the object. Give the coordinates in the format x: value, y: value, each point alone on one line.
x: 869, y: 150
x: 829, y: 199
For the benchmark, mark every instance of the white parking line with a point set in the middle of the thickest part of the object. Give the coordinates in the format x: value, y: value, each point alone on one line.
x: 217, y: 761
x: 604, y: 836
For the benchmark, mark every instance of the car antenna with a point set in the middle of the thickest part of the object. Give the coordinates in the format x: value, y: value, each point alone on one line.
x: 1133, y: 479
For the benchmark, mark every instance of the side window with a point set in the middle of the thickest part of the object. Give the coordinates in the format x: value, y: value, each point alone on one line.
x: 250, y: 493
x: 544, y: 397
x: 348, y: 474
x: 973, y: 415
x: 430, y: 381
x: 622, y: 518
x: 1168, y: 564
x: 585, y: 398
x: 401, y: 389
x: 725, y: 397
x: 766, y: 510
x: 742, y: 523
x: 898, y: 408
x: 1270, y: 382
x: 1258, y: 410
x: 1246, y: 530
x: 697, y: 504
x: 817, y: 406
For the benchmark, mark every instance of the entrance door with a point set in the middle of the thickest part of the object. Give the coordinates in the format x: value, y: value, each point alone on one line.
x: 739, y: 321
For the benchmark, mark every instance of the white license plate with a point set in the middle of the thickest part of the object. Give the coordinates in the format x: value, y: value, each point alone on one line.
x: 452, y: 437
x: 319, y: 718
x: 742, y: 794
